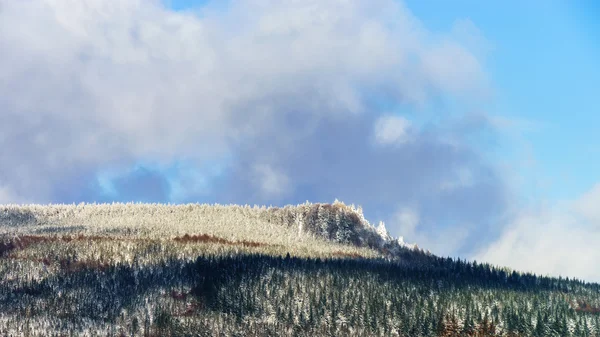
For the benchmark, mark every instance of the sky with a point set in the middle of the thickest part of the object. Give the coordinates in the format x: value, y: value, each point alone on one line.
x: 468, y: 127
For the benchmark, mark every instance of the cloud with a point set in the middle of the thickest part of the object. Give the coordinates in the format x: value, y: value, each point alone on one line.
x: 6, y: 196
x: 444, y: 240
x: 407, y: 221
x: 336, y: 159
x: 271, y: 183
x: 440, y: 63
x: 462, y: 178
x: 553, y: 239
x: 587, y: 205
x: 391, y: 130
x: 286, y: 94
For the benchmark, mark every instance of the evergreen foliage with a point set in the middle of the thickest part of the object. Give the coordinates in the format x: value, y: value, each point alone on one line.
x: 62, y: 277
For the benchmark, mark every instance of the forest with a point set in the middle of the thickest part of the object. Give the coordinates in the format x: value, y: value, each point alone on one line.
x: 213, y: 270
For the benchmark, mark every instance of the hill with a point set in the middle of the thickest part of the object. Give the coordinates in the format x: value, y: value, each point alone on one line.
x: 213, y: 270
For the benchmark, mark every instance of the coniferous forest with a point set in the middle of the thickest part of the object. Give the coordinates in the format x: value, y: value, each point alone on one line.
x: 306, y: 270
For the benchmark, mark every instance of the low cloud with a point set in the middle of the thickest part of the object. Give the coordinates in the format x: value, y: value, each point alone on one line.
x: 270, y: 182
x: 587, y: 205
x: 407, y: 220
x: 6, y: 196
x: 559, y: 239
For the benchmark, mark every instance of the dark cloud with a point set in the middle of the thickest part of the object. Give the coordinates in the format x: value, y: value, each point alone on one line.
x: 337, y: 158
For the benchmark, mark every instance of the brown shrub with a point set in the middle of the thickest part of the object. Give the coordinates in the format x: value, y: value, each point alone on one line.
x: 75, y: 266
x: 583, y: 306
x: 205, y: 238
x: 346, y: 255
x: 178, y: 295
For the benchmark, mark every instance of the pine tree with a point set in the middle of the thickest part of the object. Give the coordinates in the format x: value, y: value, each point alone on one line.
x: 468, y: 328
x: 541, y: 329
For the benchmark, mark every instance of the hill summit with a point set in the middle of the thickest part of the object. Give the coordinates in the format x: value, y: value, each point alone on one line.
x: 324, y: 226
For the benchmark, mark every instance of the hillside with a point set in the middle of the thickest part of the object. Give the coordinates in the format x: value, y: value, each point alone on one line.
x: 212, y: 270
x: 308, y: 230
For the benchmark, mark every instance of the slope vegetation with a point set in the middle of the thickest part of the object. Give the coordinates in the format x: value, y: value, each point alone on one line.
x: 309, y: 230
x: 212, y: 270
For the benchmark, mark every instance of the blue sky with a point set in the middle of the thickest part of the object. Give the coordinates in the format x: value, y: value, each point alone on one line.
x: 545, y: 71
x: 182, y: 5
x: 469, y: 127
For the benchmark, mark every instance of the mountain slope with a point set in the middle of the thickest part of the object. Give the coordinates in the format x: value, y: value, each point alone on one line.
x: 211, y: 270
x: 303, y: 230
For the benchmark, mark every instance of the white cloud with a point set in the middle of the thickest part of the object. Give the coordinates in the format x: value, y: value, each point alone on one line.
x: 444, y: 241
x: 589, y: 205
x: 271, y: 183
x: 407, y: 220
x: 85, y: 84
x: 5, y: 196
x: 560, y: 239
x: 392, y: 130
x: 440, y: 63
x: 8, y: 196
x: 463, y: 178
